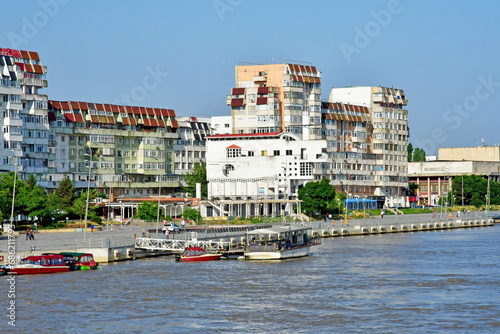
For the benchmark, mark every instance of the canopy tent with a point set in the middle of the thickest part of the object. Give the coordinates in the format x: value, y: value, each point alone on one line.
x: 360, y: 203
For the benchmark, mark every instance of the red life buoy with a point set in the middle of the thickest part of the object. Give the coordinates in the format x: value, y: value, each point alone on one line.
x: 1, y: 258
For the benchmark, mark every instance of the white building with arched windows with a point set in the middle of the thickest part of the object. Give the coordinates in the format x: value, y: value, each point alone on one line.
x: 259, y: 174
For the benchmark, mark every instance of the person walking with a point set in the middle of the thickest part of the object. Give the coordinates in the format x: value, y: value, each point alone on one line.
x: 32, y: 234
x: 28, y: 234
x: 92, y: 228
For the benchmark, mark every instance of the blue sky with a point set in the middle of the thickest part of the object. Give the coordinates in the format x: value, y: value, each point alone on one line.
x: 182, y: 54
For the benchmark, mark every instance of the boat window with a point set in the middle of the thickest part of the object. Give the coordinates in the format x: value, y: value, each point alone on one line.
x: 50, y: 262
x: 43, y: 262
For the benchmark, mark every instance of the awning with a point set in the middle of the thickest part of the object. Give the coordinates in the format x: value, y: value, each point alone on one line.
x: 175, y: 125
x: 146, y: 122
x: 236, y: 102
x: 143, y: 111
x: 111, y: 120
x: 65, y: 105
x: 136, y: 110
x: 25, y: 54
x: 94, y: 119
x: 262, y: 100
x: 83, y: 106
x: 154, y: 122
x: 114, y: 109
x: 38, y: 69
x: 55, y: 105
x: 262, y: 90
x: 125, y: 121
x: 164, y: 112
x: 34, y: 55
x: 238, y: 91
x: 161, y: 123
x: 132, y: 121
x: 79, y: 118
x: 75, y: 105
x: 69, y: 117
x: 99, y: 106
x: 52, y: 117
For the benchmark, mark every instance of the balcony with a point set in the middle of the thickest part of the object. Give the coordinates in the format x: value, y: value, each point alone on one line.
x: 34, y: 82
x: 259, y: 78
x: 12, y: 121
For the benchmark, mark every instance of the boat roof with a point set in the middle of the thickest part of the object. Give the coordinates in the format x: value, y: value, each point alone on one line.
x: 48, y: 256
x: 279, y: 229
x: 76, y: 254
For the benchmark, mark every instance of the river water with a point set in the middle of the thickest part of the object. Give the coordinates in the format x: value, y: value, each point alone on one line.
x: 438, y: 281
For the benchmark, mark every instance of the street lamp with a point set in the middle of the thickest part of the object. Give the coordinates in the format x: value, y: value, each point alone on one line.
x: 364, y: 209
x: 159, y: 194
x: 13, y: 195
x: 88, y: 193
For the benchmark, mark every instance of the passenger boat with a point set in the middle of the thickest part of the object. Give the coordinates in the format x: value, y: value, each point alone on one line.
x: 193, y: 254
x: 68, y: 260
x: 42, y: 264
x: 83, y: 261
x: 278, y: 243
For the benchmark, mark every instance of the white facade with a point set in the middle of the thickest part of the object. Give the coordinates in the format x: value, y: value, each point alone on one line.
x: 361, y: 96
x: 263, y: 168
x: 222, y: 125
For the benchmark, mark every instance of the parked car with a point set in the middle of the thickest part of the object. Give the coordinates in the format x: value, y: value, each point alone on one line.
x: 172, y: 227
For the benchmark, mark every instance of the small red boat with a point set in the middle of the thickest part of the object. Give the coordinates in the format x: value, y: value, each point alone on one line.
x: 42, y: 264
x: 192, y: 254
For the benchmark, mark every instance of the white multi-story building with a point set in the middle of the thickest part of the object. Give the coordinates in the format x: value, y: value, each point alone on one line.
x: 222, y: 125
x: 259, y: 174
x: 23, y: 111
x: 189, y: 147
x: 386, y: 132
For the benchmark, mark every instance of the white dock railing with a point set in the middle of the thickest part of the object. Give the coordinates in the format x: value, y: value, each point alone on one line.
x: 179, y: 245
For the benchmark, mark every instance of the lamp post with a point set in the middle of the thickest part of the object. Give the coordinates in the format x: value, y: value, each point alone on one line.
x: 13, y: 196
x: 109, y: 206
x: 364, y: 209
x: 88, y: 193
x: 159, y: 194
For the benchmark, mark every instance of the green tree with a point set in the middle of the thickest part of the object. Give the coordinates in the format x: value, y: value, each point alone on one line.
x: 197, y: 175
x: 6, y: 194
x: 80, y: 204
x: 418, y: 154
x: 65, y: 194
x: 147, y: 211
x: 316, y: 196
x: 413, y: 188
x: 410, y: 151
x: 192, y: 214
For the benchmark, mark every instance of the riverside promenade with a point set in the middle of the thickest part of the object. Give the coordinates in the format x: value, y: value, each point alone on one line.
x: 118, y: 244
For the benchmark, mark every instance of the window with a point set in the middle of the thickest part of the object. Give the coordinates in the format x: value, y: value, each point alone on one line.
x: 263, y: 153
x: 276, y: 152
x: 251, y: 153
x: 288, y: 152
x: 233, y: 152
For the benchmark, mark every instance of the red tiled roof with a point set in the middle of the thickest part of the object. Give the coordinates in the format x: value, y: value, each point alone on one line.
x: 233, y: 146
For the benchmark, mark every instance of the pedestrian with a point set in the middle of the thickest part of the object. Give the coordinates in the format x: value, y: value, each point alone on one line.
x: 330, y: 216
x: 183, y: 223
x: 111, y: 227
x: 371, y: 214
x: 333, y: 222
x: 341, y: 221
x: 92, y: 228
x: 28, y: 234
x: 166, y: 233
x: 32, y: 234
x: 382, y: 214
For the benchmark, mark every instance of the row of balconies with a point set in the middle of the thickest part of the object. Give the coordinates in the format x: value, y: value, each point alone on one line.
x: 34, y: 82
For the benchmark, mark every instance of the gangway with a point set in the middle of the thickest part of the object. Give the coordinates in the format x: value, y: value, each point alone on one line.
x: 178, y: 246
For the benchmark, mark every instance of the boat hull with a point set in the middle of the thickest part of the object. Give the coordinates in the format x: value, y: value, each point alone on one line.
x: 282, y: 254
x: 200, y: 258
x: 30, y: 269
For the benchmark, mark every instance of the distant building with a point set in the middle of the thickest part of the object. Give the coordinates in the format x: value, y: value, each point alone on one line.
x: 189, y: 147
x: 129, y: 148
x: 259, y: 174
x: 434, y: 178
x: 222, y: 125
x: 277, y: 98
x: 23, y: 114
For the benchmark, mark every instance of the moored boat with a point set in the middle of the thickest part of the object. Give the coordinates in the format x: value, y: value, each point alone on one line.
x: 193, y: 254
x: 278, y: 243
x: 83, y: 261
x: 41, y: 264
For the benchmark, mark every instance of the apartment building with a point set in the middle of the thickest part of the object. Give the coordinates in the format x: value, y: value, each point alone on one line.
x: 277, y: 98
x: 23, y: 110
x: 387, y: 132
x: 189, y: 147
x: 129, y: 148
